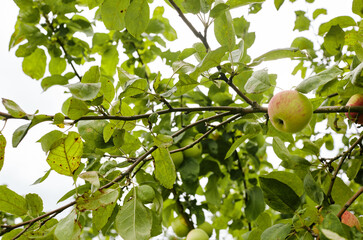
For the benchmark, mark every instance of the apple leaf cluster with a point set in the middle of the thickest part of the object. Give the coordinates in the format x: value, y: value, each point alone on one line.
x: 193, y: 139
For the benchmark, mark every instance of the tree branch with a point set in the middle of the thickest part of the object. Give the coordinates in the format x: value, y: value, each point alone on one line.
x: 359, y: 140
x: 349, y: 202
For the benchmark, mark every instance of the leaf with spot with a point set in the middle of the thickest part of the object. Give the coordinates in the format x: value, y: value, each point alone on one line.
x: 99, y: 199
x: 2, y: 150
x: 113, y: 13
x: 66, y: 157
x: 13, y: 108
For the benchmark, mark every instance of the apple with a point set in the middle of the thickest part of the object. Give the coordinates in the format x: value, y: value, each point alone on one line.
x: 206, y: 227
x: 180, y: 226
x: 177, y: 157
x: 197, y: 234
x: 290, y: 111
x: 194, y: 151
x: 355, y: 100
x: 350, y: 219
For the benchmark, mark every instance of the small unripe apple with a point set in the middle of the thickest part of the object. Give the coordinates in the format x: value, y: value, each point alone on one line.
x: 206, y: 227
x: 351, y: 220
x: 355, y: 100
x: 290, y: 111
x: 180, y: 227
x: 194, y: 151
x: 197, y: 234
x: 177, y: 157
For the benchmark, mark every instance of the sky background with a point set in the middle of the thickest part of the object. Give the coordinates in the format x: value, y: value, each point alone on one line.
x: 26, y: 163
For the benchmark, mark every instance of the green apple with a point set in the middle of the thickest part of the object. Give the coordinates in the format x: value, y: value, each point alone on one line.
x: 351, y: 220
x: 355, y: 100
x: 206, y: 227
x: 197, y: 234
x: 180, y: 227
x: 177, y: 157
x: 290, y: 111
x: 194, y: 151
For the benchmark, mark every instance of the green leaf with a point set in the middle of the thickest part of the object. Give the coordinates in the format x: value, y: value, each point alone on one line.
x: 218, y: 10
x: 68, y: 228
x: 21, y: 131
x: 99, y: 199
x: 279, y: 196
x: 355, y: 76
x: 224, y: 30
x: 50, y: 81
x: 163, y: 141
x: 258, y: 83
x: 342, y: 21
x: 191, y: 6
x: 13, y: 108
x: 2, y: 150
x: 133, y: 221
x: 66, y: 157
x: 11, y: 202
x: 41, y: 179
x: 292, y: 53
x: 357, y: 7
x: 277, y: 231
x: 312, y: 189
x: 51, y: 140
x: 318, y: 12
x: 211, y: 59
x: 109, y: 61
x: 91, y: 177
x: 164, y: 167
x: 93, y: 75
x: 34, y: 64
x: 34, y: 204
x: 57, y: 65
x: 113, y: 13
x: 84, y: 91
x: 334, y: 227
x: 92, y: 132
x: 255, y: 204
x: 212, y: 194
x: 185, y: 84
x: 134, y: 87
x: 319, y: 79
x: 278, y: 3
x: 334, y: 40
x: 77, y: 109
x: 238, y: 3
x: 137, y: 17
x: 280, y: 149
x: 341, y: 193
x: 236, y: 144
x: 302, y: 23
x: 101, y: 216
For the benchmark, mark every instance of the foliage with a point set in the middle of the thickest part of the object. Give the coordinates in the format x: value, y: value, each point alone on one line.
x: 114, y: 133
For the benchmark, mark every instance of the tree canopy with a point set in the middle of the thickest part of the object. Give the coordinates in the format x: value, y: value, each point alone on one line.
x: 156, y: 151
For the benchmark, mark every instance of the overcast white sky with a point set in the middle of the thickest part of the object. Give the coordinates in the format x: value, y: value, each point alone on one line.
x: 26, y: 163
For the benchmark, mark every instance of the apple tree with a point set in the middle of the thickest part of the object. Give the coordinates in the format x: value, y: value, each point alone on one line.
x: 188, y: 139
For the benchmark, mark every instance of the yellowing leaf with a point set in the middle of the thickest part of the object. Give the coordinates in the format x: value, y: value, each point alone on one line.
x: 66, y: 157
